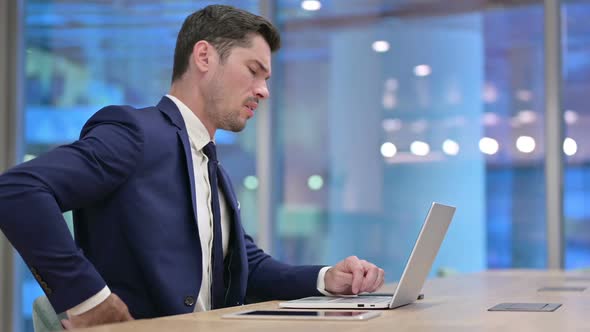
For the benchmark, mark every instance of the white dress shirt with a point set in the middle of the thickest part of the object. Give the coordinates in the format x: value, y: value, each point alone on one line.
x: 198, y: 138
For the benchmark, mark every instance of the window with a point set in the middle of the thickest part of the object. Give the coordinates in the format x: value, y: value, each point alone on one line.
x: 386, y: 107
x: 576, y: 153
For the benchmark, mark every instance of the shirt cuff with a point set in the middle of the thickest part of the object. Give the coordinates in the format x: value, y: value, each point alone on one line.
x: 321, y: 284
x: 92, y: 302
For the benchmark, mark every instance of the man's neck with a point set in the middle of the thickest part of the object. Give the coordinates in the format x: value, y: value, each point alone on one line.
x: 194, y: 100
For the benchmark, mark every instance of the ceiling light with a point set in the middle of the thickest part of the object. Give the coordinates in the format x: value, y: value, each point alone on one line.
x: 419, y: 148
x: 524, y: 95
x: 526, y: 117
x: 490, y: 93
x: 450, y: 147
x: 570, y: 117
x: 570, y: 147
x: 380, y: 46
x: 490, y: 119
x: 388, y: 150
x: 391, y: 124
x: 422, y: 70
x: 525, y: 144
x: 488, y: 145
x: 311, y: 5
x: 315, y: 182
x: 251, y: 182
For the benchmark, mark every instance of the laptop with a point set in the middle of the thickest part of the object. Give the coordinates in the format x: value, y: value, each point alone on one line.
x: 417, y: 268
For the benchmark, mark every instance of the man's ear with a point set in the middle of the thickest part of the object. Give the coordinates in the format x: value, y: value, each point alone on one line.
x: 202, y: 55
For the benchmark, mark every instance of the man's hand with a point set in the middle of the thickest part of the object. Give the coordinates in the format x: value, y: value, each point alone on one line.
x: 111, y: 310
x: 353, y: 276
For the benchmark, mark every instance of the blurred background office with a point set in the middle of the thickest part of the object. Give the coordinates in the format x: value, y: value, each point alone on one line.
x: 378, y: 108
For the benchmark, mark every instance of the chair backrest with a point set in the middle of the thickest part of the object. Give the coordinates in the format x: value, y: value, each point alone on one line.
x: 44, y: 317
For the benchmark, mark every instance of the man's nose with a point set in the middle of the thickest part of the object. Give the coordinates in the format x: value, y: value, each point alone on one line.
x: 261, y: 91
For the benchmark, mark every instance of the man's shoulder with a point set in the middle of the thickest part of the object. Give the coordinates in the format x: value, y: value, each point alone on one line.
x: 132, y: 117
x: 125, y: 112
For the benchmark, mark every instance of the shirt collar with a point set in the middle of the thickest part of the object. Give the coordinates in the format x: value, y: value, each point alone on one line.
x: 197, y: 133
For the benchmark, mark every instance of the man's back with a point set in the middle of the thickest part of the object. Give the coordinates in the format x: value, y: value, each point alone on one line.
x: 141, y: 235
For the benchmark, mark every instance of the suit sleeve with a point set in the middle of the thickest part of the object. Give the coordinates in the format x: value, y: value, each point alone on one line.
x: 33, y: 196
x: 270, y: 279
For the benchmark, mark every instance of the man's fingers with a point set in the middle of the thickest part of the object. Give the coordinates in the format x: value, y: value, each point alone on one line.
x: 371, y: 277
x: 358, y: 273
x: 128, y: 316
x: 379, y: 281
x: 121, y: 308
x: 67, y: 324
x: 354, y: 276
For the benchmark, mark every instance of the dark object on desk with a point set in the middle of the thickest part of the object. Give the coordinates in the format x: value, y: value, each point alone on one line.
x: 530, y: 307
x: 561, y: 289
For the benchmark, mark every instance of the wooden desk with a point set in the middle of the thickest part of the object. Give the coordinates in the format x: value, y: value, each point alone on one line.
x: 456, y: 303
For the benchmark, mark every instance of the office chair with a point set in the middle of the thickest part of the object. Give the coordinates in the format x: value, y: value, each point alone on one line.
x: 44, y: 317
x: 446, y: 272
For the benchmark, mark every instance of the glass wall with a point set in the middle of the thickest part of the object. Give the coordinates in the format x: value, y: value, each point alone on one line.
x: 576, y: 84
x: 84, y: 55
x: 513, y: 94
x: 387, y: 106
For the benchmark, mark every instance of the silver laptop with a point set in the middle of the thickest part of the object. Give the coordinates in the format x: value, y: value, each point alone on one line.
x: 417, y: 268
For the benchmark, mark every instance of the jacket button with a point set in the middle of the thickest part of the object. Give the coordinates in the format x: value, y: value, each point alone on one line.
x: 189, y: 301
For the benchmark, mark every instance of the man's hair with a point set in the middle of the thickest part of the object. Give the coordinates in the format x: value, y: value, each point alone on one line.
x: 224, y: 27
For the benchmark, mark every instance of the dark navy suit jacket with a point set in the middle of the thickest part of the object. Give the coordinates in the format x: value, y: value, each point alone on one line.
x: 129, y: 180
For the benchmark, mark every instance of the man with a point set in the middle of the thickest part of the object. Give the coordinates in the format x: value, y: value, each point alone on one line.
x: 157, y: 223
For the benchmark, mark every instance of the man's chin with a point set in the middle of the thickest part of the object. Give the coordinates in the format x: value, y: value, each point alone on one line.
x: 235, y: 127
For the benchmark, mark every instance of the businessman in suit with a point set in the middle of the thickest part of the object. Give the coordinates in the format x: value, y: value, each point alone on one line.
x: 157, y: 224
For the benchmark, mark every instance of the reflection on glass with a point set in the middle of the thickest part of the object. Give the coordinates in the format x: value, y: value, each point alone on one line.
x: 576, y: 82
x: 525, y: 144
x: 488, y: 145
x: 388, y: 149
x: 570, y: 147
x: 450, y: 147
x: 395, y: 124
x: 384, y: 117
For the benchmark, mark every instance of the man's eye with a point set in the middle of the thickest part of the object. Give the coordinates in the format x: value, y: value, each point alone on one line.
x: 252, y: 71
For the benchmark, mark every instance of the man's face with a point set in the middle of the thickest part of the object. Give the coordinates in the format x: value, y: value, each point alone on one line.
x: 238, y: 84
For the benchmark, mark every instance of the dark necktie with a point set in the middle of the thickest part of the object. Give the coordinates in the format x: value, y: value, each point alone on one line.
x: 217, y: 282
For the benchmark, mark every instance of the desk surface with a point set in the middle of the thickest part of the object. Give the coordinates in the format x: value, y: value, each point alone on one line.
x: 457, y: 303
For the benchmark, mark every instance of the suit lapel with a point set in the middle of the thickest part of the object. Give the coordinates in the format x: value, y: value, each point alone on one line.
x: 189, y: 163
x: 228, y: 191
x: 169, y: 109
x: 238, y: 262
